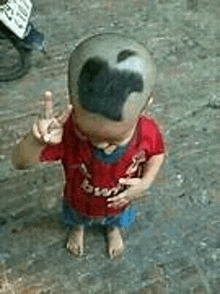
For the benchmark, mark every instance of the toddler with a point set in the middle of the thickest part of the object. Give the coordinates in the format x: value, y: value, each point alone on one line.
x: 110, y: 151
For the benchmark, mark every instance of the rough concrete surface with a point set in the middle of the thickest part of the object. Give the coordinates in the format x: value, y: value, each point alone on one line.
x: 174, y: 245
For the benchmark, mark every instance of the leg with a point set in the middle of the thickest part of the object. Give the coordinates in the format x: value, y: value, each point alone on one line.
x: 75, y: 240
x: 115, y: 242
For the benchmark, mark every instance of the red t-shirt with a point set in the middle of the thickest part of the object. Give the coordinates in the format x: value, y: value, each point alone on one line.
x: 90, y: 180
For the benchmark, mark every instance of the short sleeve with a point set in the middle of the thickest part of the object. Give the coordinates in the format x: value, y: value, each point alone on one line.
x: 158, y: 147
x: 52, y: 153
x: 152, y: 137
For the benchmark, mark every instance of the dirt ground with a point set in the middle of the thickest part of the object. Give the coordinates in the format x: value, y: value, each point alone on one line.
x: 174, y: 245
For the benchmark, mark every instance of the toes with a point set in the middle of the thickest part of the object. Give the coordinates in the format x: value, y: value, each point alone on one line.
x: 116, y: 253
x: 74, y: 248
x: 80, y: 251
x: 75, y: 242
x: 112, y: 253
x: 115, y: 244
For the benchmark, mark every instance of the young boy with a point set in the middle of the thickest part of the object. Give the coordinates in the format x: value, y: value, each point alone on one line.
x: 110, y: 152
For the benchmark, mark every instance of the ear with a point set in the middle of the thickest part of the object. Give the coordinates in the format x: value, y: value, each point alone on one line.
x: 150, y: 100
x: 145, y: 112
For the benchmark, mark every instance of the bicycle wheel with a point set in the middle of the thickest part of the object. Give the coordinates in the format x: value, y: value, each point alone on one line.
x: 14, y: 62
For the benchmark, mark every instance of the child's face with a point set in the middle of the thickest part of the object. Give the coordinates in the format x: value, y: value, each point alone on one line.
x: 100, y: 131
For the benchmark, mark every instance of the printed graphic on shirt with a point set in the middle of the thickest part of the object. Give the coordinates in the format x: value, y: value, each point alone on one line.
x: 97, y: 191
x: 84, y: 170
x: 137, y: 160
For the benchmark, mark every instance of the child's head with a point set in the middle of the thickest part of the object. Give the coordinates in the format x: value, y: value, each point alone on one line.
x: 110, y: 81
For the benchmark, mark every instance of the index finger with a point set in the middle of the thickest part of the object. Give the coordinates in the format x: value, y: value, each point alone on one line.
x: 117, y: 197
x: 48, y: 105
x: 130, y: 181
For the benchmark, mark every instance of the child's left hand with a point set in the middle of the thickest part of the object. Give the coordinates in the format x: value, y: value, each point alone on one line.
x: 136, y: 190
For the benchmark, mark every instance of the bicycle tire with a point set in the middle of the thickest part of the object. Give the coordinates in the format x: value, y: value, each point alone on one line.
x: 20, y: 68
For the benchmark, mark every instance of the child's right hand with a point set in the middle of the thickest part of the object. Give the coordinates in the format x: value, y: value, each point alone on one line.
x: 49, y: 129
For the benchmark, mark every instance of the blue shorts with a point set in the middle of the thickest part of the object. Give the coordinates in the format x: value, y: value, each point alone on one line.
x: 73, y: 218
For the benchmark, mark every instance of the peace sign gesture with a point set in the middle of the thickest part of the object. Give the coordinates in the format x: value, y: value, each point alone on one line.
x: 49, y: 129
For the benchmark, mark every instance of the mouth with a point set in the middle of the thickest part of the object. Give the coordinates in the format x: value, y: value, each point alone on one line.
x: 107, y: 148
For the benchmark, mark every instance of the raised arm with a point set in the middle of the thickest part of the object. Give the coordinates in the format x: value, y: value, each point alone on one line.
x: 48, y: 129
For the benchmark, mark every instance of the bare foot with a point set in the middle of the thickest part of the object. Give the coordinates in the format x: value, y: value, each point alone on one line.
x: 75, y: 241
x: 115, y: 242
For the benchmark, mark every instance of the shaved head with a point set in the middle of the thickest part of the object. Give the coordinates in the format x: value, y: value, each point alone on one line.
x: 111, y: 76
x: 104, y: 90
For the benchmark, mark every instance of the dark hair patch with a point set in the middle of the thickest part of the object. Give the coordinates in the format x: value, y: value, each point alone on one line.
x: 104, y: 90
x: 123, y: 55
